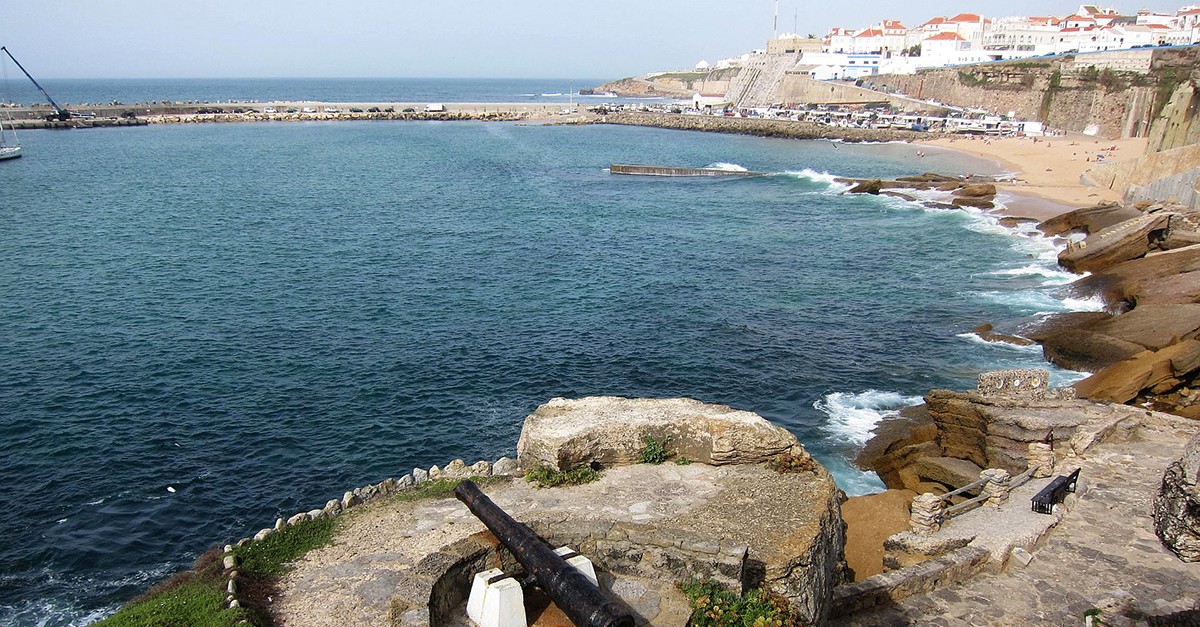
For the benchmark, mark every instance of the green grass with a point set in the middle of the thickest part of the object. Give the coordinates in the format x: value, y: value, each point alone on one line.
x: 547, y: 477
x: 272, y: 557
x: 193, y: 597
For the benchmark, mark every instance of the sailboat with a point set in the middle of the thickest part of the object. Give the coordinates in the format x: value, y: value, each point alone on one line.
x: 9, y: 150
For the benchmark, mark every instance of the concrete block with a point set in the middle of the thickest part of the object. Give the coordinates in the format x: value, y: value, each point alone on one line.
x: 503, y: 605
x: 478, y: 590
x: 1022, y: 556
x: 580, y: 563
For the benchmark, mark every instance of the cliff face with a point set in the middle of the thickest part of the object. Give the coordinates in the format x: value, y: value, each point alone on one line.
x: 1177, y: 506
x: 1119, y: 92
x: 672, y: 84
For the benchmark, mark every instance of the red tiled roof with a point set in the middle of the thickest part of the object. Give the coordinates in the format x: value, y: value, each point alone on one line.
x: 873, y: 32
x: 967, y: 17
x: 935, y: 21
x: 946, y: 37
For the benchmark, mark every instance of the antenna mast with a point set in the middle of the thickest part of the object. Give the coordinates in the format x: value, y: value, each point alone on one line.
x: 776, y: 19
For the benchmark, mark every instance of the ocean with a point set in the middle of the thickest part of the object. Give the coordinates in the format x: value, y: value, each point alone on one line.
x: 130, y: 91
x: 205, y: 327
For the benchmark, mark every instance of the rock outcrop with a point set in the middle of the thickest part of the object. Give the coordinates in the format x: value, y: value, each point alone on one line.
x: 1177, y: 505
x: 608, y: 431
x: 969, y: 431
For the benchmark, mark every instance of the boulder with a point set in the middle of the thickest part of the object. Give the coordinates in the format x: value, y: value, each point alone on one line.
x: 988, y: 333
x: 1115, y: 244
x: 949, y: 471
x: 979, y: 203
x: 420, y: 475
x: 977, y: 190
x: 605, y: 431
x: 1177, y: 505
x: 1077, y: 349
x: 900, y: 195
x: 1170, y: 277
x: 456, y: 469
x: 1088, y: 220
x: 505, y: 466
x: 1124, y: 381
x: 867, y: 187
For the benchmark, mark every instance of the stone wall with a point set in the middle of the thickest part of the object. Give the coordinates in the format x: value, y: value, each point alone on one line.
x: 886, y: 588
x: 800, y: 88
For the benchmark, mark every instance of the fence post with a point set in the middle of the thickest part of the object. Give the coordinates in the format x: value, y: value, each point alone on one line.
x: 1041, y: 455
x: 997, y: 486
x: 926, y: 515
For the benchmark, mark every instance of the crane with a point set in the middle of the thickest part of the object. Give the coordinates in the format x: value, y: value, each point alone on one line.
x: 60, y: 114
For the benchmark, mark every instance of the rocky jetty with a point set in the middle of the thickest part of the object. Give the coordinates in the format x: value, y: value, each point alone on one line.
x: 958, y: 192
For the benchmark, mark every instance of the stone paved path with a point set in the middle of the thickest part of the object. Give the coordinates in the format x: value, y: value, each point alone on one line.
x: 1105, y: 549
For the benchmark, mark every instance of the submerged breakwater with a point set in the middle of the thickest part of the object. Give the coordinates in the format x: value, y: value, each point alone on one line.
x: 209, y: 327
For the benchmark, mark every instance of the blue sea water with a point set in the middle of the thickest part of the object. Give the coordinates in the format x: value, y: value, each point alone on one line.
x: 129, y: 91
x: 260, y: 317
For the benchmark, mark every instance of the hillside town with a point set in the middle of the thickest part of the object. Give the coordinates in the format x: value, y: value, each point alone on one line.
x: 891, y: 47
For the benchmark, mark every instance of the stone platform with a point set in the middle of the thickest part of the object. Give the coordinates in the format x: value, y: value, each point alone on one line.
x: 644, y: 527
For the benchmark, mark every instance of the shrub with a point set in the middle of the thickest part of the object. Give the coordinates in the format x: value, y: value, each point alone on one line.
x: 655, y: 451
x: 714, y: 606
x: 789, y: 463
x: 547, y: 477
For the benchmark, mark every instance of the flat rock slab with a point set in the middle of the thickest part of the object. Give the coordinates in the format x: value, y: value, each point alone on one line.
x: 606, y: 431
x: 356, y: 580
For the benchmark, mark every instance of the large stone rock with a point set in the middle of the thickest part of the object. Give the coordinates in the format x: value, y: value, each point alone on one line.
x: 978, y: 190
x: 1170, y: 277
x: 1045, y: 328
x: 1085, y: 350
x: 1177, y: 505
x: 867, y: 187
x: 949, y: 471
x: 1115, y: 244
x: 1088, y: 220
x: 610, y: 431
x: 1153, y: 326
x: 1122, y: 382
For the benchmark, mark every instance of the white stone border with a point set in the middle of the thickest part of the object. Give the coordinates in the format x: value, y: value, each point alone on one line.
x: 457, y: 469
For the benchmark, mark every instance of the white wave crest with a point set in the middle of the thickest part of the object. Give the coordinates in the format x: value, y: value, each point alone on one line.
x: 728, y: 167
x: 1036, y: 302
x: 975, y: 339
x: 818, y: 177
x: 855, y: 416
x: 1053, y: 275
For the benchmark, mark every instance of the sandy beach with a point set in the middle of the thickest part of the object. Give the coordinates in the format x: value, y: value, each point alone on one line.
x: 1048, y: 170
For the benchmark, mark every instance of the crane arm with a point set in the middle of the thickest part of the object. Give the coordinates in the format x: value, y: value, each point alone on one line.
x: 60, y: 112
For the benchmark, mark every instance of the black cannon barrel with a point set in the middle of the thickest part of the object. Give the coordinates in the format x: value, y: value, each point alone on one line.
x: 570, y: 589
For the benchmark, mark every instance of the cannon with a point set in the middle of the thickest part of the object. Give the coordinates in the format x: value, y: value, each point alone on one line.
x: 570, y: 590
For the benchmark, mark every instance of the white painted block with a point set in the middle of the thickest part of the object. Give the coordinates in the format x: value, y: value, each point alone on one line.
x: 580, y: 563
x: 504, y: 605
x: 478, y: 591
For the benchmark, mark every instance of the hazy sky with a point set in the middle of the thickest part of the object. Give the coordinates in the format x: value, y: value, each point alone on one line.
x: 436, y: 38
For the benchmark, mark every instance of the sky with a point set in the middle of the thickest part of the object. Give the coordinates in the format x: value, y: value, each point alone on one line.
x: 436, y: 38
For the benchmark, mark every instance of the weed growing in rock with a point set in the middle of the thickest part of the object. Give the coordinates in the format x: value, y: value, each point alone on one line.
x: 787, y: 462
x: 714, y: 606
x: 683, y: 461
x: 655, y: 451
x: 546, y: 477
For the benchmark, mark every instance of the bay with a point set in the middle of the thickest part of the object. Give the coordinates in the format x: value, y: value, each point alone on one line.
x: 261, y: 316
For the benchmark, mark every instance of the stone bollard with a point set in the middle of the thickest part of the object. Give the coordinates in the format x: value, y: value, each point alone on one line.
x: 1041, y: 455
x: 926, y: 514
x: 997, y: 486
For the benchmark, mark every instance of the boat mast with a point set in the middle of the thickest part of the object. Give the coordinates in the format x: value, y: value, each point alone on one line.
x: 59, y: 112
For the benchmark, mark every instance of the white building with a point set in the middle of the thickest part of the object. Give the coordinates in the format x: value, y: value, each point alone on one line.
x: 836, y: 65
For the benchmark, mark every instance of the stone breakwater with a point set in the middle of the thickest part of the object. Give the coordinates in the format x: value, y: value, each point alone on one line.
x: 254, y: 116
x: 788, y: 129
x: 457, y: 469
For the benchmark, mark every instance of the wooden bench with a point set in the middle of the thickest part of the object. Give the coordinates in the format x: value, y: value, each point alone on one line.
x: 1054, y: 492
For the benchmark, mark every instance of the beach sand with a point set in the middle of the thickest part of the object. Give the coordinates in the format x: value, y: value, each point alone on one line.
x: 1047, y: 170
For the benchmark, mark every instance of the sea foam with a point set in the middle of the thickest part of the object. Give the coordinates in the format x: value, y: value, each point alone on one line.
x: 853, y: 417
